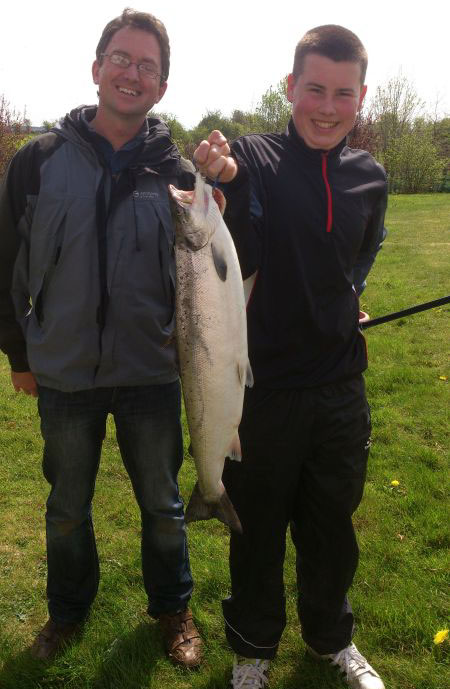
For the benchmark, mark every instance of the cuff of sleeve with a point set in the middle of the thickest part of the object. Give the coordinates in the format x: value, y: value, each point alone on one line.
x: 240, y: 180
x: 19, y: 362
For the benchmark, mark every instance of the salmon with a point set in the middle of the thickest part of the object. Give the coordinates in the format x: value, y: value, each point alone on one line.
x: 211, y: 333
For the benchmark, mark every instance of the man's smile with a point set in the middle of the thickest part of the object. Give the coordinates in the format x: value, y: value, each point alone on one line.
x: 322, y: 124
x: 128, y: 91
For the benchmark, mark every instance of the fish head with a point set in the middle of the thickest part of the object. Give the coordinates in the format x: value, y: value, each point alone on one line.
x: 196, y: 213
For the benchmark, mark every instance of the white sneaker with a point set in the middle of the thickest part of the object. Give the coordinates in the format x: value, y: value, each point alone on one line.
x: 358, y: 673
x: 249, y: 673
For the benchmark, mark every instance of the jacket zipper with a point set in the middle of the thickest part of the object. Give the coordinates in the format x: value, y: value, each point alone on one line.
x: 328, y: 189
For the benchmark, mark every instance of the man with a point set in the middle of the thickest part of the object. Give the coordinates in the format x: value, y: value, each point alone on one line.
x: 86, y: 253
x: 306, y: 213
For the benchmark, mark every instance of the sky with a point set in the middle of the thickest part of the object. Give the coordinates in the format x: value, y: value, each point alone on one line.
x: 223, y: 56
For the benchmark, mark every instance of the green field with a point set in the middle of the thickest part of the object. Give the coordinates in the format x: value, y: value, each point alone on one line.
x: 399, y: 593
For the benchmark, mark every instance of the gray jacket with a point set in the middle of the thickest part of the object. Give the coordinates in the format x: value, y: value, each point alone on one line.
x: 87, y: 265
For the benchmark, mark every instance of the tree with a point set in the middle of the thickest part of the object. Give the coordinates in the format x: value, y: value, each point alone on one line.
x: 239, y: 116
x: 178, y: 133
x: 214, y: 119
x: 13, y: 128
x: 48, y: 124
x: 364, y: 134
x: 412, y: 163
x: 395, y: 107
x: 274, y: 109
x: 441, y: 139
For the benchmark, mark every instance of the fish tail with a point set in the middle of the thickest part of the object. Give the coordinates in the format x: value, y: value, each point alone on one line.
x: 234, y: 452
x: 198, y: 509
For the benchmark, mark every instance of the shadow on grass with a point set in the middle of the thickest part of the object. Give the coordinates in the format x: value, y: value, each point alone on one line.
x: 130, y: 660
x: 128, y: 663
x: 137, y: 659
x: 21, y: 670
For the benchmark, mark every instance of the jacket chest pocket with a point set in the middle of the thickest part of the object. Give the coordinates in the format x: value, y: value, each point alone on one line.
x: 55, y: 248
x: 47, y: 238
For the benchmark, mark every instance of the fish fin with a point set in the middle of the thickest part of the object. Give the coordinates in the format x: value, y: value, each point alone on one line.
x: 249, y: 284
x: 234, y: 452
x: 219, y: 198
x: 246, y: 375
x: 199, y: 510
x: 225, y: 512
x: 219, y: 262
x: 249, y: 380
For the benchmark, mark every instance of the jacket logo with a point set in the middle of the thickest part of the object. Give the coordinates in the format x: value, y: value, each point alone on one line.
x: 146, y: 195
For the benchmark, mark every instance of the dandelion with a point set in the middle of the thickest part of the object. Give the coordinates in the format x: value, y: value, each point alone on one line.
x: 395, y: 483
x: 440, y: 636
x: 442, y: 377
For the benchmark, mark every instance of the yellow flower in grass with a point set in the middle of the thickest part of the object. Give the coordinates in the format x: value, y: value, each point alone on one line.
x: 395, y: 483
x: 442, y: 377
x: 440, y: 636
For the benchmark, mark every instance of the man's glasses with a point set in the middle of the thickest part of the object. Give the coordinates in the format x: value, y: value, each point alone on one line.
x: 124, y: 62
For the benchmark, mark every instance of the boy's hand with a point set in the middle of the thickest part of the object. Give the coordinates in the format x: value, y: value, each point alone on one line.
x: 212, y: 157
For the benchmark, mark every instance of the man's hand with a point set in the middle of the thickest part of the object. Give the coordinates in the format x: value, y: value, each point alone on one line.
x: 212, y: 157
x: 24, y: 381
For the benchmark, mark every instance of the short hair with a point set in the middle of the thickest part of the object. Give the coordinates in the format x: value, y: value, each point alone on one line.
x: 144, y: 22
x: 332, y: 41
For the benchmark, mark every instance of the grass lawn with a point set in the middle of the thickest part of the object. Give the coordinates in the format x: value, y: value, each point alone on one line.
x: 399, y: 593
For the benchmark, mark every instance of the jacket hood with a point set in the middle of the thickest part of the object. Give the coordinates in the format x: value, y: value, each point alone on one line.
x: 158, y: 152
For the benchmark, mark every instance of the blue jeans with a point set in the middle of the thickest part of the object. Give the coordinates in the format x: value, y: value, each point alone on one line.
x: 149, y: 435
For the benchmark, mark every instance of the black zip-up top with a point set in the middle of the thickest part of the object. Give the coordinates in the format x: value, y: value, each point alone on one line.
x: 304, y: 219
x: 87, y: 269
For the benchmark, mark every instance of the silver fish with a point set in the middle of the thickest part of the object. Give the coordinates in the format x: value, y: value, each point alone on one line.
x: 211, y: 333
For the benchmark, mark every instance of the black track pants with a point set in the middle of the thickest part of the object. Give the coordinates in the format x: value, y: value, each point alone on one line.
x: 304, y: 462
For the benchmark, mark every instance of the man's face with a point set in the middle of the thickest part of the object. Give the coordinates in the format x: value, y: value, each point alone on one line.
x: 325, y: 100
x: 129, y: 92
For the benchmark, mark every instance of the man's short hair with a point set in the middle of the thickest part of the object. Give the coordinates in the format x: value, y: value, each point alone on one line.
x: 331, y: 41
x: 144, y: 22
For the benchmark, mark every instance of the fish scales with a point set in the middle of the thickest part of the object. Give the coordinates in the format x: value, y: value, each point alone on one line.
x: 209, y: 365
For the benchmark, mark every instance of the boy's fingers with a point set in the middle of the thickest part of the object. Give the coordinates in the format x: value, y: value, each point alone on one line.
x: 212, y: 157
x: 216, y: 137
x: 201, y: 152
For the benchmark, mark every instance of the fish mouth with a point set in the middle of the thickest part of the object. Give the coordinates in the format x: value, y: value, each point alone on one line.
x: 182, y: 197
x: 181, y: 202
x: 185, y: 199
x: 196, y: 212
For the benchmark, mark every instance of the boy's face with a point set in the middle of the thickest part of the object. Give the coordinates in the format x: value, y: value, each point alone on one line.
x: 325, y: 100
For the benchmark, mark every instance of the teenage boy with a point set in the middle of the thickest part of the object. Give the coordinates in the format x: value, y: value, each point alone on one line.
x: 306, y: 213
x: 86, y: 253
